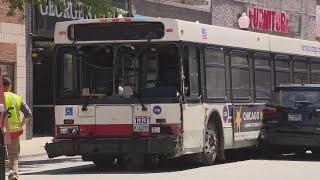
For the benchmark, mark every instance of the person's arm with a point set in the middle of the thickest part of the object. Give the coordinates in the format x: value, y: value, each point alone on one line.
x: 26, y: 113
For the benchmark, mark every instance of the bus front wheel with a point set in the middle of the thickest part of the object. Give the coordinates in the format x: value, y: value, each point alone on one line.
x: 210, y: 151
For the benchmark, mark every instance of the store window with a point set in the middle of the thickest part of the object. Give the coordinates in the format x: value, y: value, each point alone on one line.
x: 7, y: 70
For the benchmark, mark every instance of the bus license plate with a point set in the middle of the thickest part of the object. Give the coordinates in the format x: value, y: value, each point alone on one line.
x: 141, y: 124
x: 295, y: 117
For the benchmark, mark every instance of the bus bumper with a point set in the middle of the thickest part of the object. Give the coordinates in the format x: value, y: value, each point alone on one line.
x: 292, y: 139
x: 169, y: 147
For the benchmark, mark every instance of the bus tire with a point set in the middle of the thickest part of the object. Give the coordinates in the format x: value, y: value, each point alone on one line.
x: 211, y: 145
x: 133, y: 162
x: 104, y: 162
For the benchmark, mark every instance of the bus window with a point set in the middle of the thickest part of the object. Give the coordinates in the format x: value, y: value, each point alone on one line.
x: 215, y: 74
x: 262, y: 77
x: 191, y: 71
x: 282, y: 70
x: 67, y: 65
x: 240, y: 76
x: 300, y: 70
x: 315, y: 71
x: 148, y: 71
x: 96, y: 70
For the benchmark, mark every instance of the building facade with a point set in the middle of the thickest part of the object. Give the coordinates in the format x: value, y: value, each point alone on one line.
x: 297, y: 17
x: 13, y: 50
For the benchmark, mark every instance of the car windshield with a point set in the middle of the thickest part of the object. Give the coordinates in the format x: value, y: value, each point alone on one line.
x: 290, y: 97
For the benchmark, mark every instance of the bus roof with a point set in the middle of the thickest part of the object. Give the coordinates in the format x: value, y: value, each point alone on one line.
x: 178, y: 30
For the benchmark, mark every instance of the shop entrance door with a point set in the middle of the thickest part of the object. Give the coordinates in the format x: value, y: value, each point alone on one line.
x: 43, y: 109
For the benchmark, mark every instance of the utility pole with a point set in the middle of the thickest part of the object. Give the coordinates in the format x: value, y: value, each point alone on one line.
x: 130, y: 6
x: 211, y: 11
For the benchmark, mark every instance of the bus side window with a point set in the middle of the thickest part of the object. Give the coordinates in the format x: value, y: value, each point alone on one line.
x: 315, y: 70
x: 262, y: 70
x: 215, y: 74
x: 300, y: 70
x: 282, y: 69
x: 191, y: 71
x: 240, y: 76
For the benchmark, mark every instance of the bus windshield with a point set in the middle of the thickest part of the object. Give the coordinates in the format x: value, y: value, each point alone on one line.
x: 137, y: 70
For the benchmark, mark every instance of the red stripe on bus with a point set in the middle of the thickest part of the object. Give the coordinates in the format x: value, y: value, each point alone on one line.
x: 112, y: 130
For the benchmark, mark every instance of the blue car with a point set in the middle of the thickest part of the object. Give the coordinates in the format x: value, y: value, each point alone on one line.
x: 291, y: 120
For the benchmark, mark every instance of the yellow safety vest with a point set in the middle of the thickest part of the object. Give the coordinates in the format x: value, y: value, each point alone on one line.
x: 13, y: 105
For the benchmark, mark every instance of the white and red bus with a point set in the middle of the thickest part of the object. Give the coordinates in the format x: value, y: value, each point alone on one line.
x: 142, y: 89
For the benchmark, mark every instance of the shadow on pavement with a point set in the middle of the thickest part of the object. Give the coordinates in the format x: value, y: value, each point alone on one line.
x: 169, y: 166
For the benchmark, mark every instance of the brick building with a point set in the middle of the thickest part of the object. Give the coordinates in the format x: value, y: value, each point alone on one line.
x: 13, y: 50
x: 300, y: 14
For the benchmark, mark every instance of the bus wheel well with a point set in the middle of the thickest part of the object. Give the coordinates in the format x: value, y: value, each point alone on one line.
x: 216, y: 120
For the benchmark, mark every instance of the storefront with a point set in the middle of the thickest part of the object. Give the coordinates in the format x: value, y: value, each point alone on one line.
x: 13, y: 51
x: 43, y: 19
x: 289, y: 18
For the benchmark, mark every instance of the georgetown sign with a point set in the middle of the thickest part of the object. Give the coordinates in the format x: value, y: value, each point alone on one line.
x: 71, y: 11
x: 46, y: 15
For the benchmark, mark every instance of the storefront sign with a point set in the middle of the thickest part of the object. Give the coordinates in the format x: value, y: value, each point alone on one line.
x: 71, y: 11
x: 267, y: 20
x: 45, y: 16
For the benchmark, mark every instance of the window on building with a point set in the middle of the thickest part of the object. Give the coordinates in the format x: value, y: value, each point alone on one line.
x: 7, y: 70
x: 240, y: 76
x: 262, y: 76
x: 315, y: 71
x: 300, y: 70
x: 215, y: 74
x: 282, y: 69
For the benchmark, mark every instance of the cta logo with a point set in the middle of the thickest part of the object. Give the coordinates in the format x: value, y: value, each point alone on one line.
x: 157, y: 110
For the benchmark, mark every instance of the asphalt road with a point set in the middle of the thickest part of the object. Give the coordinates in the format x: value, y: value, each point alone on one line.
x: 237, y: 167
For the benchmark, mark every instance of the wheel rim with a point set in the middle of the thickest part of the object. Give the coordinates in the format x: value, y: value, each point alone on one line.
x: 211, y: 143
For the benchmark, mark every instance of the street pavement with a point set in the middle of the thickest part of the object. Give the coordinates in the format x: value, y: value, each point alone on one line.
x: 237, y: 167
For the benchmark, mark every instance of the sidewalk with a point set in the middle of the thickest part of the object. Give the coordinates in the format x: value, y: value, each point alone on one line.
x: 34, y: 147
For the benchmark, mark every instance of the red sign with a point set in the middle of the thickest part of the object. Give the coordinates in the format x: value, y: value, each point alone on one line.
x: 266, y: 20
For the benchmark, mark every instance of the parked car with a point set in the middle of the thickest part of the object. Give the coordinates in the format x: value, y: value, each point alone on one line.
x: 291, y: 120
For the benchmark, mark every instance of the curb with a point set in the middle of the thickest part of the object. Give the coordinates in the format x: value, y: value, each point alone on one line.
x: 32, y: 155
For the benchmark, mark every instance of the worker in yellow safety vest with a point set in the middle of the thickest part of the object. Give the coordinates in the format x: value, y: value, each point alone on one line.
x: 14, y: 105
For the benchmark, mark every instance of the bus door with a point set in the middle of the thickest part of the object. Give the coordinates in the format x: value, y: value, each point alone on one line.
x: 193, y: 109
x: 247, y: 122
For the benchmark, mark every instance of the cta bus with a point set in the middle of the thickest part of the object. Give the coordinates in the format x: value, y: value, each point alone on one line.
x: 138, y: 90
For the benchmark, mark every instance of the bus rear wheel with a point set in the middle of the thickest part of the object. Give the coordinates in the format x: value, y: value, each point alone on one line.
x: 210, y: 151
x: 104, y: 162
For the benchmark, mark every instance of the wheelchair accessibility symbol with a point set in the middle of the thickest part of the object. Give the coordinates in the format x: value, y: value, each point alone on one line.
x: 69, y: 111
